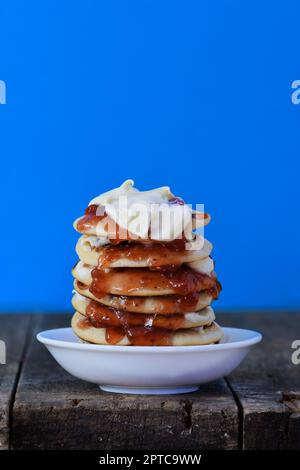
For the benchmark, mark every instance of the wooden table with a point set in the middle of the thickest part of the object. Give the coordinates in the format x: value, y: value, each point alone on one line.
x: 256, y: 407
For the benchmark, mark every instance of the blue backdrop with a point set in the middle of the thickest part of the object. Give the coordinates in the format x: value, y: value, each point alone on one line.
x: 195, y: 95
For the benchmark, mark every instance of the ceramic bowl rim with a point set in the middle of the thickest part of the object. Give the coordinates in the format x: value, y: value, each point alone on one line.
x: 254, y: 338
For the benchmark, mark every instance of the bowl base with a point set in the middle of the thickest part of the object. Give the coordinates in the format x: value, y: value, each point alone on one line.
x: 149, y: 390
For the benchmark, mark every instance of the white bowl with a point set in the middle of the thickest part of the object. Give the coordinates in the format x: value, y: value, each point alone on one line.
x: 149, y: 369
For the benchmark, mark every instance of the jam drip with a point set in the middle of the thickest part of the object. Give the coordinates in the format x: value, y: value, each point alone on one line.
x: 101, y: 316
x: 95, y: 215
x: 140, y: 336
x: 92, y: 216
x: 125, y: 281
x: 168, y: 304
x: 139, y: 331
x: 157, y: 255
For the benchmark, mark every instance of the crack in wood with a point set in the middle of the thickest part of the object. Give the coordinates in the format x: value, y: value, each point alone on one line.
x: 31, y: 323
x: 240, y: 414
x: 187, y: 409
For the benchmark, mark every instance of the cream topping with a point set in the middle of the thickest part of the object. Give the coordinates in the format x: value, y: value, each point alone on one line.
x: 148, y: 214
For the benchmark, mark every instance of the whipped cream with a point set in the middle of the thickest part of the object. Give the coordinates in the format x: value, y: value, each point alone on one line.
x: 150, y: 214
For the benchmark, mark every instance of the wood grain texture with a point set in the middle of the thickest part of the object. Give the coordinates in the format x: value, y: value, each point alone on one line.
x: 14, y: 339
x: 267, y: 384
x: 256, y: 407
x: 71, y: 414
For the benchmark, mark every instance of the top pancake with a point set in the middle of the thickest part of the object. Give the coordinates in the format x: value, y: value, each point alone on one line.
x: 125, y: 213
x: 97, y: 222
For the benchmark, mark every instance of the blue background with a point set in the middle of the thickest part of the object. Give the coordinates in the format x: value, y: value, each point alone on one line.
x: 195, y: 95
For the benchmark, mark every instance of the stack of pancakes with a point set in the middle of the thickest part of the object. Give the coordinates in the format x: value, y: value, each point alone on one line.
x: 143, y: 292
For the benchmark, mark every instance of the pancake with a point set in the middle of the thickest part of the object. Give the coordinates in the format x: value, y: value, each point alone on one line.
x: 142, y: 281
x: 96, y: 221
x: 164, y: 305
x: 96, y: 252
x: 188, y: 337
x: 103, y: 316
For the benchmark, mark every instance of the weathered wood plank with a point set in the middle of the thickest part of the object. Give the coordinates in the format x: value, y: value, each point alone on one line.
x: 267, y: 384
x: 13, y: 331
x: 71, y: 414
